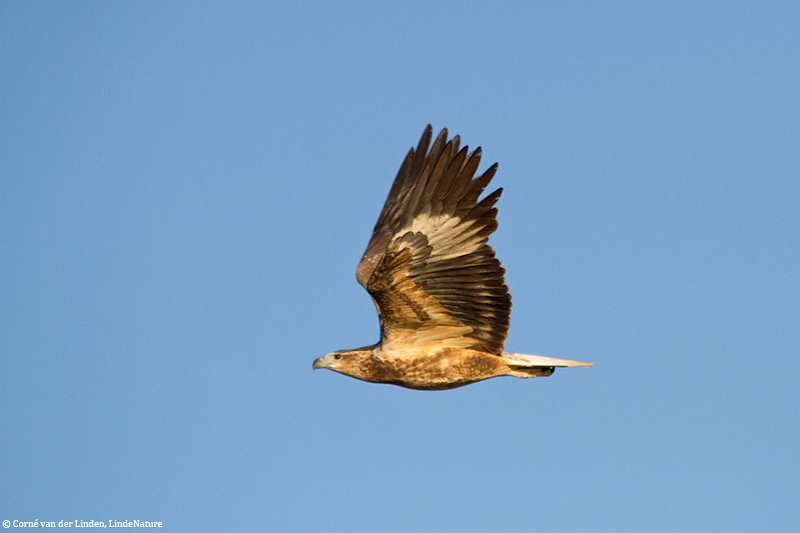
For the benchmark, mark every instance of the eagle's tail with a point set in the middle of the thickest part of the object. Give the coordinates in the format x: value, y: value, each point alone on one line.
x: 530, y: 366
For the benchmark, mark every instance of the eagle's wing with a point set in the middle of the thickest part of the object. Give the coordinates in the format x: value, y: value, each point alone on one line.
x: 428, y: 268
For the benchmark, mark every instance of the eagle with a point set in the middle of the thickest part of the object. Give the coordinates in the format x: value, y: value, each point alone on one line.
x: 439, y: 290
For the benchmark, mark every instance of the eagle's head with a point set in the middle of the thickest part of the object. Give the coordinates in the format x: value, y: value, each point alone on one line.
x: 355, y: 363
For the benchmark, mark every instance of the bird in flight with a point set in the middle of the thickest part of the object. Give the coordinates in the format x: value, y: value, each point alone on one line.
x: 438, y: 288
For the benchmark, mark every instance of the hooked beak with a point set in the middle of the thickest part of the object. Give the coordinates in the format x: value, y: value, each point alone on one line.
x: 320, y: 363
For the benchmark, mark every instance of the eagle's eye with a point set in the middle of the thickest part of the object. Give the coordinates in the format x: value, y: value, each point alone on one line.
x: 337, y: 356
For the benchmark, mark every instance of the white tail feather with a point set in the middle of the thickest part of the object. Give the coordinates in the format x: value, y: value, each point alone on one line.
x: 521, y: 359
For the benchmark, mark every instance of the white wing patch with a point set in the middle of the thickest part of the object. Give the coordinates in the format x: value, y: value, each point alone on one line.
x: 447, y: 236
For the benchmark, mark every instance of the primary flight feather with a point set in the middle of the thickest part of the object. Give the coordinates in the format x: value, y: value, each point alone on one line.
x: 438, y: 288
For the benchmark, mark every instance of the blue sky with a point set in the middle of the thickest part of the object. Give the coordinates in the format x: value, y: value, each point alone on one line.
x: 185, y: 192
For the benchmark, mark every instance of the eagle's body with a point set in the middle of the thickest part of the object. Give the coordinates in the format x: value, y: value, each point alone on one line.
x: 436, y: 284
x: 438, y: 369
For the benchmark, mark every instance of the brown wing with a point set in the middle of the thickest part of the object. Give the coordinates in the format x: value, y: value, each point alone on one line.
x: 427, y: 266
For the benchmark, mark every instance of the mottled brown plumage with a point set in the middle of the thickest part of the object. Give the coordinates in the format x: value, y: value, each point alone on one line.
x: 438, y: 288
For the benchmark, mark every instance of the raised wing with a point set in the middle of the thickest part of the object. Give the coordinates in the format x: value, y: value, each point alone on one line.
x: 427, y: 266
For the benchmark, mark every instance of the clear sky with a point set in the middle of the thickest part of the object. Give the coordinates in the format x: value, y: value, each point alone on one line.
x: 186, y: 190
